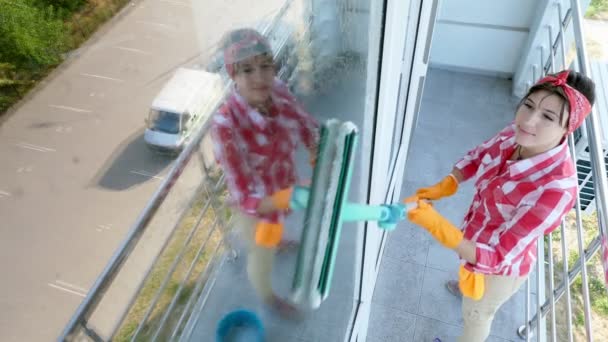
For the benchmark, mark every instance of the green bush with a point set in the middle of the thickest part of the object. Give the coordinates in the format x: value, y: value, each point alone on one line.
x: 579, y: 318
x: 34, y: 35
x: 63, y: 8
x: 70, y: 5
x: 597, y: 295
x: 30, y: 36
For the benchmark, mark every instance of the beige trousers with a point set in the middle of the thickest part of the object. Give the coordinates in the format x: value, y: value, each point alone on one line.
x: 259, y: 259
x: 479, y: 314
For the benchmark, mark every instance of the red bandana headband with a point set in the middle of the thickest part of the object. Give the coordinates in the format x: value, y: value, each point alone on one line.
x: 246, y: 43
x: 578, y: 103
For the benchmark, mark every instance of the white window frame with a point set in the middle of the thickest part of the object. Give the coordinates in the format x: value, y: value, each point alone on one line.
x: 403, y: 63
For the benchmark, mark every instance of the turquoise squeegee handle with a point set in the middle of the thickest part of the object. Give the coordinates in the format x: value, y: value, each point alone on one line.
x: 299, y: 198
x: 364, y: 212
x: 387, y: 215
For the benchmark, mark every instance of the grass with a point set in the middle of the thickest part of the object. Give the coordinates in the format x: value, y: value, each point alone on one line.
x: 16, y: 83
x: 598, y: 9
x: 86, y: 21
x: 597, y: 288
x: 594, y: 48
x: 209, y: 233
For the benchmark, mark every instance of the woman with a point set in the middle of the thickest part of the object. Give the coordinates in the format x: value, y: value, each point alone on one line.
x: 255, y: 135
x: 525, y: 184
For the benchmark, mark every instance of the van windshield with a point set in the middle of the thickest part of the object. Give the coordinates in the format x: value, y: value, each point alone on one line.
x: 165, y: 122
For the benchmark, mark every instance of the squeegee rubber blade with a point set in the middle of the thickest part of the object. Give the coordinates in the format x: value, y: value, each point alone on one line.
x: 304, y: 282
x: 344, y: 172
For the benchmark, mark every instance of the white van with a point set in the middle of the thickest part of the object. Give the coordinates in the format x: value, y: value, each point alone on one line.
x: 184, y: 102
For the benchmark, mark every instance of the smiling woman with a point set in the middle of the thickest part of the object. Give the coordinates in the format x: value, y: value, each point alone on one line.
x: 526, y: 183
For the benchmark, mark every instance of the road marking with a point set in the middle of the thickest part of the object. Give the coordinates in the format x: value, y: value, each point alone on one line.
x: 72, y: 286
x: 73, y: 109
x: 156, y: 24
x: 93, y: 94
x: 146, y: 174
x: 132, y: 50
x: 24, y: 169
x: 102, y: 77
x: 102, y: 227
x: 35, y: 147
x: 174, y: 2
x: 63, y: 129
x: 5, y: 194
x: 69, y: 288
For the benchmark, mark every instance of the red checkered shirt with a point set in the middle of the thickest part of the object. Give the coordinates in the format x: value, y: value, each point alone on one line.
x: 515, y: 202
x: 257, y: 152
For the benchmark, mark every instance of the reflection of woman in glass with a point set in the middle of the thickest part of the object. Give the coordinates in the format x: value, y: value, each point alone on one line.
x: 255, y: 135
x: 525, y: 183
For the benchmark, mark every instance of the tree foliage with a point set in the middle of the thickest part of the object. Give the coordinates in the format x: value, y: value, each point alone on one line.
x: 30, y: 36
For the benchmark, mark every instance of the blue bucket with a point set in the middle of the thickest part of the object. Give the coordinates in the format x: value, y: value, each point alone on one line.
x: 240, y: 326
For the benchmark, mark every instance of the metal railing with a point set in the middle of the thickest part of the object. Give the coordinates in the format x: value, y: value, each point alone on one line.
x: 79, y: 323
x: 545, y: 305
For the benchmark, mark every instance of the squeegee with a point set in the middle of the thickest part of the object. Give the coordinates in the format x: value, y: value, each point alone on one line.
x: 325, y: 202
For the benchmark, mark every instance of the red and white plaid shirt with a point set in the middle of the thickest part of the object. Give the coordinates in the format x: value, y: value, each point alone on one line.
x: 515, y: 202
x: 257, y: 152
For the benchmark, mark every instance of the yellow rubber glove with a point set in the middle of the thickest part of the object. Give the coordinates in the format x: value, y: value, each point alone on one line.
x: 471, y: 284
x: 447, y: 187
x: 281, y: 198
x: 441, y: 229
x: 268, y: 234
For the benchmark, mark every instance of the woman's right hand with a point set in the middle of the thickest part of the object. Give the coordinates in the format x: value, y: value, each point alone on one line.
x: 446, y: 187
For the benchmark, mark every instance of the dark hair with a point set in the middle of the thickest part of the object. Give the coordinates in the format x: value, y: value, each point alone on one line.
x: 583, y: 84
x: 576, y: 80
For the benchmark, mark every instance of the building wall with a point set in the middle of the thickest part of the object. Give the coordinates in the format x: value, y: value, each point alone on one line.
x: 482, y: 36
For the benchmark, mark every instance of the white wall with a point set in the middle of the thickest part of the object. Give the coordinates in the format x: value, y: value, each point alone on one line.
x: 513, y: 13
x: 482, y: 36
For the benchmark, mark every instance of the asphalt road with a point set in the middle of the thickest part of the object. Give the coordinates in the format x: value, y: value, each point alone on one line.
x: 75, y: 172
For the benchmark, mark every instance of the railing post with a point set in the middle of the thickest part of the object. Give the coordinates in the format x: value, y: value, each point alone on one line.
x: 541, y: 321
x: 550, y: 239
x: 528, y: 309
x: 528, y: 286
x: 566, y: 278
